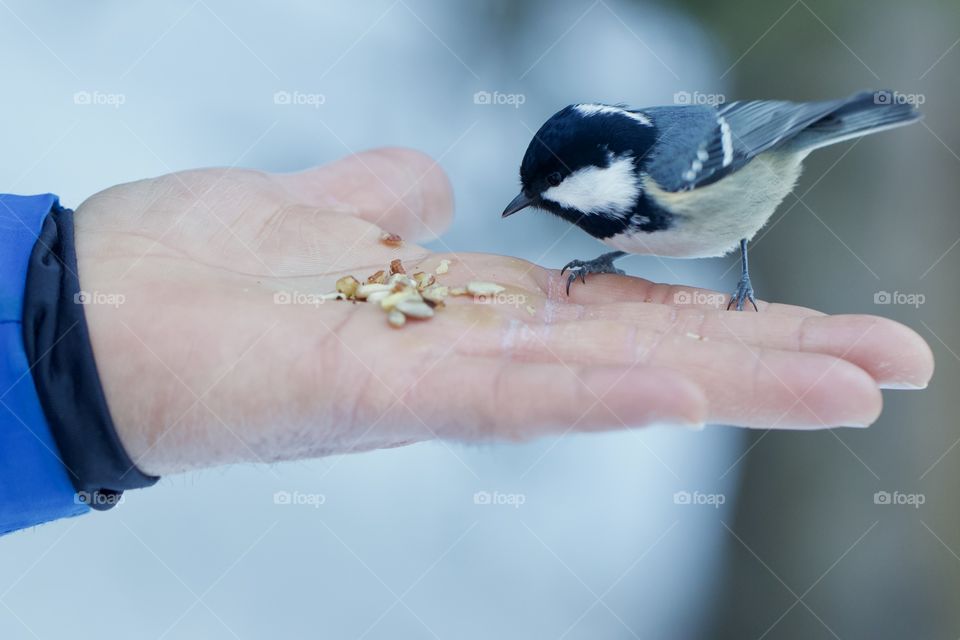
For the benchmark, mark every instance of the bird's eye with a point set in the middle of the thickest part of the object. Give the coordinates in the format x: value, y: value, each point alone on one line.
x: 554, y: 178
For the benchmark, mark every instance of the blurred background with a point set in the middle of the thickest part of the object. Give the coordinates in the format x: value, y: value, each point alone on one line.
x: 642, y: 534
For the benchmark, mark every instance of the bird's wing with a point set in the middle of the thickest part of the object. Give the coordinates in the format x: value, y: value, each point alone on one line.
x: 698, y: 145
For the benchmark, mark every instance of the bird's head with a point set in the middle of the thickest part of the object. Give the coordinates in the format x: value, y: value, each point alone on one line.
x: 584, y: 162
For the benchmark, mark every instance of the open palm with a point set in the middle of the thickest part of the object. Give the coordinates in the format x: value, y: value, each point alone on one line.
x: 203, y: 362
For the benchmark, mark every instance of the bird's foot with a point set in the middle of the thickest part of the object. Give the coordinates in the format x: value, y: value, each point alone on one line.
x: 743, y: 293
x: 580, y: 268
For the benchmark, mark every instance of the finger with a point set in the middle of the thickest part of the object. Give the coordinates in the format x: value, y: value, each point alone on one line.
x: 895, y: 356
x: 745, y: 385
x: 601, y: 288
x: 477, y: 398
x: 776, y: 389
x: 767, y: 388
x: 401, y: 190
x: 607, y: 288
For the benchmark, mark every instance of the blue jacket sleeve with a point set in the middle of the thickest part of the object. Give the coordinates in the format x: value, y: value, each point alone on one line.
x: 35, y: 486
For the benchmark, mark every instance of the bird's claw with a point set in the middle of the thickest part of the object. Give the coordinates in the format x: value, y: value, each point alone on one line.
x: 573, y: 278
x: 743, y: 293
x: 580, y: 268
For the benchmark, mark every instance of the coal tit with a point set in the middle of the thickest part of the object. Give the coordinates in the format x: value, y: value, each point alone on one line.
x: 688, y: 181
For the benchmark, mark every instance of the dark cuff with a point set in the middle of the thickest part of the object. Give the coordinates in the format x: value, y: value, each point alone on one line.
x: 65, y: 373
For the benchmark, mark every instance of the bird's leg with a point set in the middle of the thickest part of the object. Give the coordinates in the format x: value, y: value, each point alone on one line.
x: 744, y: 290
x: 602, y: 264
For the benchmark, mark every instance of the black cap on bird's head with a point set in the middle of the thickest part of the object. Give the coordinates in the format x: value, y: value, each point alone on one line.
x: 581, y: 157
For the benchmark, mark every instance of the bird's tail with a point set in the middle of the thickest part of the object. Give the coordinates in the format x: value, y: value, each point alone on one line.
x: 859, y: 115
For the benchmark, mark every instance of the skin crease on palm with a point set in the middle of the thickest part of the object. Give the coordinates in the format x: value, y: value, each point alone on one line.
x: 201, y: 366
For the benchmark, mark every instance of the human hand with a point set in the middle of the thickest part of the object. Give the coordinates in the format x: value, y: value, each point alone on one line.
x: 201, y: 366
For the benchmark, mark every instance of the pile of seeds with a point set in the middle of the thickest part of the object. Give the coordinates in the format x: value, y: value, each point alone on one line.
x: 403, y: 296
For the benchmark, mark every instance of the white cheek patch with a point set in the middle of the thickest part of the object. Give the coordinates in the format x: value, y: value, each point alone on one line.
x: 610, y: 190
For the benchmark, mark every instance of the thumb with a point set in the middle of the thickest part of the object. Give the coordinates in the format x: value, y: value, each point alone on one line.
x: 401, y: 190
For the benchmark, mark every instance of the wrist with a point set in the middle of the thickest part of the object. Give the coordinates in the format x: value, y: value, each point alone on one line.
x: 64, y: 368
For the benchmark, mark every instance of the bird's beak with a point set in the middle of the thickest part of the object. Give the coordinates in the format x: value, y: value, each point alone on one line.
x: 517, y: 204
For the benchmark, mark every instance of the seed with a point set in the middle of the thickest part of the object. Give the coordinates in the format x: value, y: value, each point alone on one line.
x: 531, y: 310
x: 484, y: 288
x: 364, y: 290
x: 396, y: 319
x: 347, y: 285
x: 394, y: 299
x: 391, y: 239
x: 423, y: 279
x: 404, y: 296
x: 401, y: 280
x: 435, y: 293
x: 378, y: 278
x: 415, y: 309
x: 443, y: 267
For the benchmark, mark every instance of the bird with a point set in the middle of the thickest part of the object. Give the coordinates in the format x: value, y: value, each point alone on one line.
x: 688, y: 180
